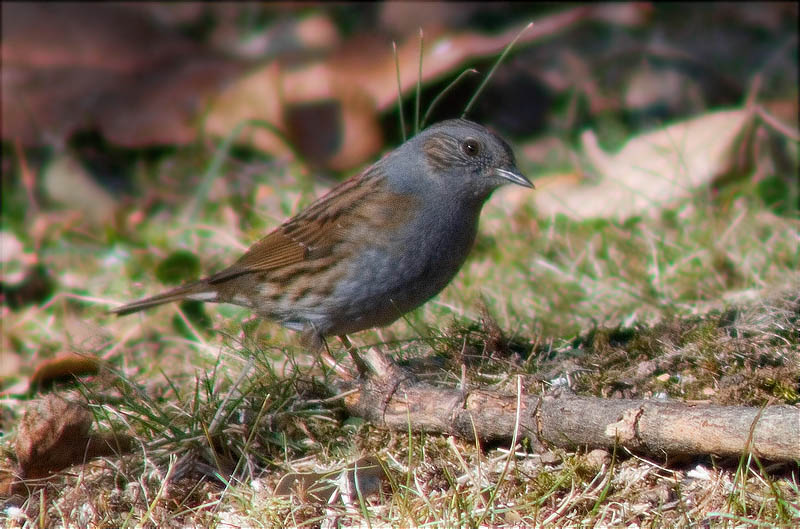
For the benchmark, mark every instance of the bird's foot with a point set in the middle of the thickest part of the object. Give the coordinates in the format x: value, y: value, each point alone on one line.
x: 361, y: 366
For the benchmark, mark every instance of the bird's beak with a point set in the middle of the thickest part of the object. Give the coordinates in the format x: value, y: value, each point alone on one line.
x: 515, y: 177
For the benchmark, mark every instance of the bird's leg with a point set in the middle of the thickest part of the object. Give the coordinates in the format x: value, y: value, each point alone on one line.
x: 362, y: 367
x: 319, y: 346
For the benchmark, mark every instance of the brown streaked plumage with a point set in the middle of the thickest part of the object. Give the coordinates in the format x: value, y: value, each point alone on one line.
x: 376, y: 246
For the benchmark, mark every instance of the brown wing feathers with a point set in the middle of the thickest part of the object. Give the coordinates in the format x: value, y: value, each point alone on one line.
x: 310, y: 235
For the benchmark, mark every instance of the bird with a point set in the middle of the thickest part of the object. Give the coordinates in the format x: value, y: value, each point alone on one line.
x: 376, y: 246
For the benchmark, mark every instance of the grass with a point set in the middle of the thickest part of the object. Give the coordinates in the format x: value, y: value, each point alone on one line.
x: 696, y: 303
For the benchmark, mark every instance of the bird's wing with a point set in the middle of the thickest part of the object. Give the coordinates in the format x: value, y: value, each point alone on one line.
x: 298, y: 240
x: 341, y: 215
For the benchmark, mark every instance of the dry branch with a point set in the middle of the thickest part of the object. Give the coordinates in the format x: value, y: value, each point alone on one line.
x: 392, y: 398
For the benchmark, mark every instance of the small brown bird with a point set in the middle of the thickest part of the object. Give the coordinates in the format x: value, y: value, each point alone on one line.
x: 376, y: 246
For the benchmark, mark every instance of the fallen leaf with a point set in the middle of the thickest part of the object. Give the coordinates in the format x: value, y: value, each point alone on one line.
x: 446, y: 51
x: 365, y: 477
x: 357, y: 82
x: 63, y: 366
x: 652, y: 171
x: 54, y: 434
x: 73, y: 66
x: 68, y: 67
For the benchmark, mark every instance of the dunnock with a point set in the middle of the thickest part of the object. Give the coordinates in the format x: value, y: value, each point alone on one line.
x: 376, y: 246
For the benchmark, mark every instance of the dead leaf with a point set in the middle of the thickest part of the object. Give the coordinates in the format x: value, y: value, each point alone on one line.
x: 63, y: 366
x: 54, y: 434
x: 365, y: 477
x: 252, y: 96
x: 359, y: 81
x: 73, y: 66
x: 652, y: 171
x: 446, y: 51
x: 405, y: 18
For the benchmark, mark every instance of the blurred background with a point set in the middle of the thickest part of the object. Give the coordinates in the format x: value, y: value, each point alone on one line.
x: 142, y: 77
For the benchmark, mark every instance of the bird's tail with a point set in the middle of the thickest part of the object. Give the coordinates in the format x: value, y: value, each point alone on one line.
x: 199, y: 291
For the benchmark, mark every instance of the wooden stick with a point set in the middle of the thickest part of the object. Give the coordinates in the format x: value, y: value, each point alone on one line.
x: 392, y: 397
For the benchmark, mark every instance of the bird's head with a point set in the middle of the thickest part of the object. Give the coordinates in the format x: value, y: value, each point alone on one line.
x: 468, y: 157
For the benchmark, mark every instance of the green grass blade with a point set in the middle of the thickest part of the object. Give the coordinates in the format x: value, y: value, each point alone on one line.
x: 399, y: 93
x: 494, y: 67
x: 444, y: 92
x: 419, y: 82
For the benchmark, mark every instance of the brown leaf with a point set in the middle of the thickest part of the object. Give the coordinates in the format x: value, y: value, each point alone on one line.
x: 54, y: 434
x: 73, y: 66
x: 330, y: 108
x: 63, y: 366
x: 650, y: 172
x: 368, y: 62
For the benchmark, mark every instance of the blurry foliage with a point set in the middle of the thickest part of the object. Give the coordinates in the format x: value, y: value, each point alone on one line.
x: 178, y: 267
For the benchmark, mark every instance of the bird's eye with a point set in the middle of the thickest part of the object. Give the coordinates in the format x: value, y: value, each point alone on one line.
x: 471, y: 147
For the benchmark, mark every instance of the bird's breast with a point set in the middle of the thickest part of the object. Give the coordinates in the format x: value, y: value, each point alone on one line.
x: 398, y: 274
